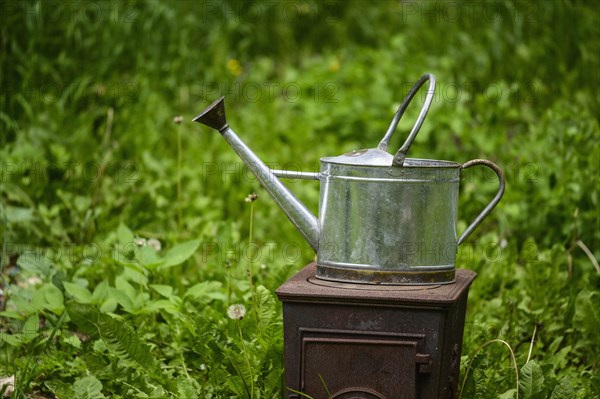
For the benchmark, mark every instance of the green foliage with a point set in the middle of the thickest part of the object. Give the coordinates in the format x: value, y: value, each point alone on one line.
x: 531, y: 382
x: 123, y: 233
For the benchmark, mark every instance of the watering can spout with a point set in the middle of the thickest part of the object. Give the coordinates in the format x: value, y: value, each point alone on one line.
x: 214, y: 117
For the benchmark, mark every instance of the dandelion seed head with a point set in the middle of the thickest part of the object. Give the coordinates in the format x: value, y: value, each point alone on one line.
x: 236, y: 311
x: 154, y: 244
x: 251, y: 197
x: 503, y: 243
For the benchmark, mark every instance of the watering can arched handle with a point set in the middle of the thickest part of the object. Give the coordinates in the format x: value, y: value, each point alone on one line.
x: 486, y: 211
x: 383, y: 144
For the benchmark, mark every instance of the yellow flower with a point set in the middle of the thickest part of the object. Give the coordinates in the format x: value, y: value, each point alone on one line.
x: 234, y: 67
x: 334, y: 65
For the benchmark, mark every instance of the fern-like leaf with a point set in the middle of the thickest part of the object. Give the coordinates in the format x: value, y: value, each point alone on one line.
x: 121, y: 337
x: 127, y: 343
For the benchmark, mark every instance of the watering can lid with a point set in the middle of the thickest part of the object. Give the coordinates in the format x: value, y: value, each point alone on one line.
x: 366, y: 157
x: 377, y: 157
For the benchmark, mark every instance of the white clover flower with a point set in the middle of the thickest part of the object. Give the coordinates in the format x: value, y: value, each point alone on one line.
x: 236, y: 311
x: 154, y: 244
x: 203, y: 367
x: 140, y: 242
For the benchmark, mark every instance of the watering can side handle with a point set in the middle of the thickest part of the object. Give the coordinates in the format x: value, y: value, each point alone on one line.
x: 486, y: 211
x: 383, y: 144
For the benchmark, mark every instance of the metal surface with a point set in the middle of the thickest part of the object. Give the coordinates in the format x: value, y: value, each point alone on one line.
x: 486, y: 211
x: 401, y: 154
x: 383, y: 219
x: 294, y: 174
x: 388, y: 225
x: 301, y: 217
x: 392, y: 225
x: 372, y: 343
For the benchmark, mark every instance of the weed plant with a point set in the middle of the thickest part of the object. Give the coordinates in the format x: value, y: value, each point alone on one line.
x: 126, y: 238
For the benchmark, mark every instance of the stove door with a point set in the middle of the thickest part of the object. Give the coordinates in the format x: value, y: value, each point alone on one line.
x: 355, y: 368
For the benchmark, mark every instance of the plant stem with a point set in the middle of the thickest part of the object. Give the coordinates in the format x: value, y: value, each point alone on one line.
x: 179, y: 158
x: 512, y: 355
x: 531, y: 345
x: 4, y: 255
x: 589, y: 254
x: 247, y: 359
x: 228, y: 284
x: 180, y: 350
x: 250, y: 265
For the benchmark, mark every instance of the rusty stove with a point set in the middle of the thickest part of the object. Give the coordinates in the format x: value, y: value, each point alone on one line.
x: 358, y: 341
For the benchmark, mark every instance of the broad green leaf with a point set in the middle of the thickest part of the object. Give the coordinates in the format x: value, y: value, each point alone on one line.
x: 100, y: 292
x: 510, y: 394
x: 124, y: 286
x: 109, y: 306
x: 180, y: 253
x: 164, y: 290
x: 149, y: 258
x: 206, y: 291
x: 73, y: 340
x: 79, y: 293
x: 25, y: 305
x: 84, y: 316
x: 531, y: 380
x: 60, y: 389
x: 15, y: 340
x: 124, y: 234
x: 161, y: 304
x: 121, y: 298
x: 48, y: 296
x: 31, y: 327
x: 15, y: 214
x: 136, y: 273
x: 35, y: 262
x: 11, y: 314
x: 563, y: 390
x: 88, y: 388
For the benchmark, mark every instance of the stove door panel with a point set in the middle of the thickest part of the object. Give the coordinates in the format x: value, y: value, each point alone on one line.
x: 353, y: 368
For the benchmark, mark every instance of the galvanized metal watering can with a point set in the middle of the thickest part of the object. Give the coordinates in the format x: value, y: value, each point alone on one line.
x: 383, y: 218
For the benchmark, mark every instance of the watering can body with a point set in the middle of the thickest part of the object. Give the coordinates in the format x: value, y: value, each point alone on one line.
x: 383, y: 219
x: 368, y: 233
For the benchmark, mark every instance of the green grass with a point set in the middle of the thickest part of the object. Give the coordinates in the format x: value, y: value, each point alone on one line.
x: 92, y: 162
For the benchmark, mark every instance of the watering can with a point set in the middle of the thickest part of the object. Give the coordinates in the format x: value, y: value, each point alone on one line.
x: 383, y: 218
